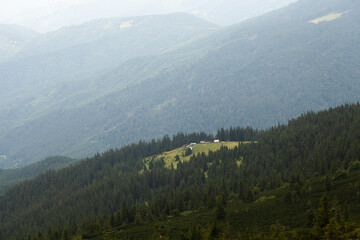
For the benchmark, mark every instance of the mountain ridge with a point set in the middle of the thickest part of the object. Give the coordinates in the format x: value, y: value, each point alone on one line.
x: 261, y: 72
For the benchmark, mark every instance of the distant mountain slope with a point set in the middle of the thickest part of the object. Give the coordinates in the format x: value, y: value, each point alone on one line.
x: 127, y: 32
x: 78, y: 52
x: 13, y: 39
x: 219, y: 11
x: 10, y: 177
x: 44, y: 75
x: 228, y: 12
x: 261, y: 72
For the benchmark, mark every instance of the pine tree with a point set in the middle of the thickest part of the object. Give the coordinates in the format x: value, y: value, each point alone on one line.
x: 220, y: 213
x: 322, y: 217
x: 195, y: 233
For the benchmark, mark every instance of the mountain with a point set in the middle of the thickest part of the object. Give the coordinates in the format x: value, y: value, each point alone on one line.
x: 12, y: 39
x: 260, y: 72
x: 230, y: 12
x: 10, y: 177
x: 48, y: 71
x: 78, y: 52
x: 222, y: 12
x: 282, y: 180
x: 118, y: 36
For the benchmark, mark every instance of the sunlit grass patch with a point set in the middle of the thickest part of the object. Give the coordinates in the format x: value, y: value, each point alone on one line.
x: 264, y: 198
x: 170, y: 158
x: 328, y: 18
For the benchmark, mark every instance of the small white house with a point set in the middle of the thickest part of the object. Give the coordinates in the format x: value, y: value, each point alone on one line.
x: 216, y: 141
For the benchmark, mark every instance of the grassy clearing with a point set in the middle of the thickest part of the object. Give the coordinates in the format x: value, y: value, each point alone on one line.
x: 264, y: 198
x: 328, y: 18
x: 170, y: 157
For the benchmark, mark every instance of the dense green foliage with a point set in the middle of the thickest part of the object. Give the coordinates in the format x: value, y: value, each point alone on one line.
x: 237, y: 134
x: 9, y: 177
x: 257, y: 73
x: 81, y: 187
x: 276, y: 190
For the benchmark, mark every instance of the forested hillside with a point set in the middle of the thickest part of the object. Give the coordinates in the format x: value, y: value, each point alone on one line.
x: 273, y: 188
x: 10, y: 177
x: 258, y: 73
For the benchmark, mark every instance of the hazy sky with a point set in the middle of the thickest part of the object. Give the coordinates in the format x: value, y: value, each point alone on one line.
x: 47, y: 15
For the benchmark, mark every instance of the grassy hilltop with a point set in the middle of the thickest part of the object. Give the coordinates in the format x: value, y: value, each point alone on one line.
x: 171, y: 159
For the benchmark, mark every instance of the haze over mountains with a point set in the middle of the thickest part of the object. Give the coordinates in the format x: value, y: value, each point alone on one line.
x: 77, y: 53
x: 83, y: 89
x: 46, y: 16
x: 48, y: 71
x: 12, y: 39
x: 104, y: 98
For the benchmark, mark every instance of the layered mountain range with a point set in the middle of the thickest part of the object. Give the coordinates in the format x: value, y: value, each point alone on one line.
x: 85, y: 89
